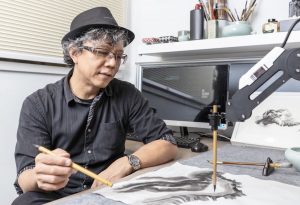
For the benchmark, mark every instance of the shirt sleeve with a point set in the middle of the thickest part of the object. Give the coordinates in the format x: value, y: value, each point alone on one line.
x: 32, y: 130
x: 146, y: 124
x: 16, y: 184
x: 169, y: 138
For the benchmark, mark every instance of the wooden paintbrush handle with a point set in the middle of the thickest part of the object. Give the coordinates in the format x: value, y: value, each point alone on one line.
x: 78, y: 168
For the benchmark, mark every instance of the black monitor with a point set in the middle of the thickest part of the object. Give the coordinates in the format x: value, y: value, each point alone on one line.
x: 183, y: 94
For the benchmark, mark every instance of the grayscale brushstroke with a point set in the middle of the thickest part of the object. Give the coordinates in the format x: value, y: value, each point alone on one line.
x: 281, y: 117
x: 173, y: 186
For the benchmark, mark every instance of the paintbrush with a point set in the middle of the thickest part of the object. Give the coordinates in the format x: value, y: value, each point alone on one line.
x: 214, y: 162
x: 208, y: 17
x: 228, y: 11
x: 237, y: 15
x: 76, y: 167
x: 273, y: 164
x: 249, y: 12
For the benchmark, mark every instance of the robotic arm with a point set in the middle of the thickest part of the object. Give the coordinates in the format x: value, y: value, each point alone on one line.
x: 286, y: 65
x: 275, y: 69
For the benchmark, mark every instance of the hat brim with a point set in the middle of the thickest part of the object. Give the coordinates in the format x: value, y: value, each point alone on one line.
x: 81, y: 30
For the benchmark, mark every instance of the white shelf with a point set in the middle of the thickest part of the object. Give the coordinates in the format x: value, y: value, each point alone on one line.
x: 239, y: 46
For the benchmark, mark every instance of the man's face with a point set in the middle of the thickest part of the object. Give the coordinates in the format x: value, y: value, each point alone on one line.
x: 98, y: 63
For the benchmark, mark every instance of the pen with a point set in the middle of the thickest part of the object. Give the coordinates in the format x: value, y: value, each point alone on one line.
x: 77, y: 167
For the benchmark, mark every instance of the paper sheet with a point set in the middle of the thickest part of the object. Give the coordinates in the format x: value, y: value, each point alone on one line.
x: 182, y: 184
x: 274, y: 123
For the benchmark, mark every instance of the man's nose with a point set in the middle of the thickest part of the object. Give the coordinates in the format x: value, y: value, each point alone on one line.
x: 111, y: 58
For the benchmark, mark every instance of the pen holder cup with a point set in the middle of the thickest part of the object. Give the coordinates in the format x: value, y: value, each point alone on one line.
x: 293, y: 156
x: 214, y: 28
x: 183, y: 35
x: 237, y: 28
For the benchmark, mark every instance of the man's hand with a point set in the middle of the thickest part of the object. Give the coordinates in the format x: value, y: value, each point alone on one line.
x: 117, y: 170
x: 52, y: 172
x: 151, y: 154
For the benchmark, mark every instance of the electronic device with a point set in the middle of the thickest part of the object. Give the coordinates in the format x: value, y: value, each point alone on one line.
x: 274, y: 70
x: 182, y: 94
x: 278, y: 67
x: 199, y: 147
x: 186, y: 142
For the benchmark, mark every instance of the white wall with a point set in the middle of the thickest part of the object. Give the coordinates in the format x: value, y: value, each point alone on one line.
x: 264, y: 10
x: 17, y: 80
x: 154, y: 18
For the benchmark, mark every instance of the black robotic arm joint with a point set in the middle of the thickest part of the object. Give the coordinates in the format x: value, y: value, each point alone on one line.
x: 240, y: 106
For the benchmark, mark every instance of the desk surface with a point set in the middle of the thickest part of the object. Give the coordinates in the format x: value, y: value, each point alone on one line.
x: 226, y: 152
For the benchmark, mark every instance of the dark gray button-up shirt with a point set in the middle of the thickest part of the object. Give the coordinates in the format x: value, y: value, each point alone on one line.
x: 93, y: 132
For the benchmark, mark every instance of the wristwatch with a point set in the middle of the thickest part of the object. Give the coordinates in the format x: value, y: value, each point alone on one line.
x: 134, y: 161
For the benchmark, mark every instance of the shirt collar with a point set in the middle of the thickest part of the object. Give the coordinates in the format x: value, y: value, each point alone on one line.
x: 67, y: 90
x: 69, y: 95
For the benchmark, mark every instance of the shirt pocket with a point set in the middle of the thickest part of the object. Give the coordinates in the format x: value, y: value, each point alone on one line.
x: 112, y: 136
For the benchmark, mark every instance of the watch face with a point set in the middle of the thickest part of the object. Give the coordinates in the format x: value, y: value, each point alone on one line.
x: 134, y: 161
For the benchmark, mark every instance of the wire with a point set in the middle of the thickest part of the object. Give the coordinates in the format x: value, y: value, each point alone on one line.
x: 207, y: 134
x: 219, y: 136
x: 289, y: 32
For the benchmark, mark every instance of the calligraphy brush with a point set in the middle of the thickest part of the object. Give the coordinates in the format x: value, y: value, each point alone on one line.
x: 214, y: 163
x: 77, y: 167
x: 274, y: 165
x: 206, y: 12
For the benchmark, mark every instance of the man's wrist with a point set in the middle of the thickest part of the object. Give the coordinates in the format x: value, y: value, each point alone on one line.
x: 134, y: 162
x: 27, y: 181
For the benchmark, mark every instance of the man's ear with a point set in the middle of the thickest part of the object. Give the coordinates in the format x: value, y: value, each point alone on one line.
x: 74, y: 55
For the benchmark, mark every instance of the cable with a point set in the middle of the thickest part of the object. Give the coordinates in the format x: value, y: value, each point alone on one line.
x: 208, y: 134
x: 289, y: 32
x: 219, y: 136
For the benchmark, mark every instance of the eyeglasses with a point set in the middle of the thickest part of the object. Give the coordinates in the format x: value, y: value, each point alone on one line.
x: 100, y: 52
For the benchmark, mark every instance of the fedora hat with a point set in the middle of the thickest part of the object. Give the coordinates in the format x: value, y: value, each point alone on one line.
x: 99, y: 17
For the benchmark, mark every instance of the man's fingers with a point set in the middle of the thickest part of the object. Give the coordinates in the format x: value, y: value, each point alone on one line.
x: 51, y: 179
x: 61, y: 152
x: 96, y: 184
x: 51, y: 186
x: 53, y: 170
x: 52, y: 160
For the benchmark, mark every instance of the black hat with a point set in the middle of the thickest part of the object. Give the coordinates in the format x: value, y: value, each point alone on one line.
x: 99, y: 17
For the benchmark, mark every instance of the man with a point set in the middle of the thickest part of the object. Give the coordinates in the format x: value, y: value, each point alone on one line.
x: 85, y: 118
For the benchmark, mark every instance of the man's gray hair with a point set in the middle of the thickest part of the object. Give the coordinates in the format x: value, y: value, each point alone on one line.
x: 106, y: 35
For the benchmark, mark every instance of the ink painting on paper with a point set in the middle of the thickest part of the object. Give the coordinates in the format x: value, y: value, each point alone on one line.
x: 274, y: 123
x: 182, y: 184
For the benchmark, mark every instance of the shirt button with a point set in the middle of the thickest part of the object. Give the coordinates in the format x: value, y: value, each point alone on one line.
x: 89, y: 130
x: 89, y: 151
